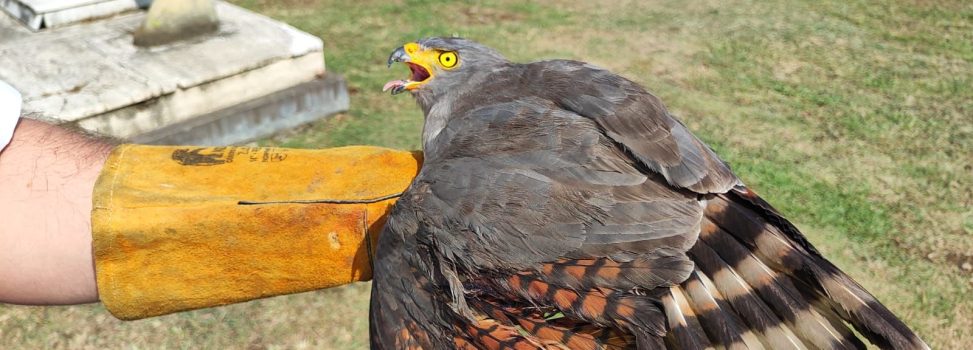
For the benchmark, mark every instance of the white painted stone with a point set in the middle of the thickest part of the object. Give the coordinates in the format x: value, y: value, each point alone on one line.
x: 209, y: 97
x: 40, y: 14
x: 54, y: 5
x: 10, y: 28
x: 93, y: 76
x: 69, y: 16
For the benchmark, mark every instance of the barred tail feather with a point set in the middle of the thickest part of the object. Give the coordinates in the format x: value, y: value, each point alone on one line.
x: 773, y: 332
x: 685, y: 332
x: 779, y: 293
x: 746, y: 246
x: 724, y: 328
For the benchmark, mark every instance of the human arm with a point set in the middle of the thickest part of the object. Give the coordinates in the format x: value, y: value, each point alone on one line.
x: 174, y: 228
x: 46, y: 177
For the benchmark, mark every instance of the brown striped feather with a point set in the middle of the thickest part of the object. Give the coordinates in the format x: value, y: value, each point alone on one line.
x: 779, y: 293
x: 754, y: 311
x: 533, y: 322
x: 492, y: 335
x: 781, y: 247
x: 637, y: 314
x: 725, y: 329
x: 645, y: 271
x: 749, y: 335
x: 684, y: 330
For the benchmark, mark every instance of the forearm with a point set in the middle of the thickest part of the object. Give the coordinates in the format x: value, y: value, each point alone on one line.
x: 180, y: 228
x: 46, y: 177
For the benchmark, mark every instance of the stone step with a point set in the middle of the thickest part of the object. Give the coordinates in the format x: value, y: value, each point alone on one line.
x: 257, y: 118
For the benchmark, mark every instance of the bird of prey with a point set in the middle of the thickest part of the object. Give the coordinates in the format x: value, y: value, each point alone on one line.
x: 561, y: 206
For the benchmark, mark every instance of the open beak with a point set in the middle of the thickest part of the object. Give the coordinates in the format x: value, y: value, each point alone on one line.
x: 398, y: 55
x: 413, y: 56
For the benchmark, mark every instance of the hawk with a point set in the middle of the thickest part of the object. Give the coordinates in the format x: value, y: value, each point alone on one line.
x: 561, y: 206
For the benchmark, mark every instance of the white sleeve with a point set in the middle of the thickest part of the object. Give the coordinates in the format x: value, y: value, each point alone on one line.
x: 9, y: 112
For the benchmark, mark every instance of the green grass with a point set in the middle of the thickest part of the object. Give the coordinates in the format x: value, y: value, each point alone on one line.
x: 854, y: 118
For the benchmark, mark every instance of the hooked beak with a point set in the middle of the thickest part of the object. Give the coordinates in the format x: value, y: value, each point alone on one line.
x: 398, y: 55
x: 415, y: 57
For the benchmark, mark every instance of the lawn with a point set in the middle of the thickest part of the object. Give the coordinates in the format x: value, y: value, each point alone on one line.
x: 855, y: 119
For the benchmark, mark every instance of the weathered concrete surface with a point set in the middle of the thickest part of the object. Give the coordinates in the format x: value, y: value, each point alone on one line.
x: 42, y: 14
x: 10, y: 29
x: 206, y: 97
x: 169, y: 21
x: 93, y: 76
x: 259, y: 118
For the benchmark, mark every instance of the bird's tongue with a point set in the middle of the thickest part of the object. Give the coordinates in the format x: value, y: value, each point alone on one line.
x: 393, y: 84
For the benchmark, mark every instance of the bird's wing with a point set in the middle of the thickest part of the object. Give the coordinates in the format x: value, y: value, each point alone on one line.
x: 635, y: 119
x: 524, y: 182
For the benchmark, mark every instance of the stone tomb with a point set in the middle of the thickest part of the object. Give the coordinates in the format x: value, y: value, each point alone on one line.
x: 252, y: 78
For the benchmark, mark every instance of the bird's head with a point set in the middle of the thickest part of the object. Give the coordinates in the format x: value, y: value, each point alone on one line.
x: 440, y: 64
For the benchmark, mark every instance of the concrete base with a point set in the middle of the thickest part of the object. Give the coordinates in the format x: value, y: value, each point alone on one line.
x: 259, y: 118
x: 92, y: 76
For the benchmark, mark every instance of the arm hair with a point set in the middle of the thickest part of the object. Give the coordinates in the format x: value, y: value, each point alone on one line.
x: 47, y: 174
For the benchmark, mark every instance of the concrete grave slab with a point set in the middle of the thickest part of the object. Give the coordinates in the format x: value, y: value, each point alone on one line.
x: 92, y: 76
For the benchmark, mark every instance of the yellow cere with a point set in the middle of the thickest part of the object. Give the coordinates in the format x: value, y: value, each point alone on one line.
x: 411, y: 48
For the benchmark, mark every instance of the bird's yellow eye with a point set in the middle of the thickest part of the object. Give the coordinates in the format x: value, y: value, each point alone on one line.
x: 448, y: 59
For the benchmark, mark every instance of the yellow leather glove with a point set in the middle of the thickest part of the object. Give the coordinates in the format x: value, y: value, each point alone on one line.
x: 180, y: 228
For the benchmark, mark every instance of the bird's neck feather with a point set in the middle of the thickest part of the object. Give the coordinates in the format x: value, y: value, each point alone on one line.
x: 436, y: 117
